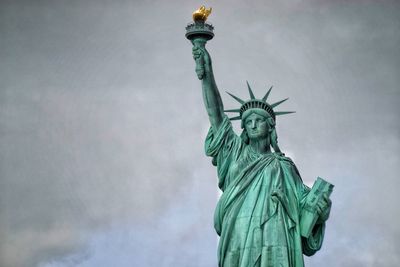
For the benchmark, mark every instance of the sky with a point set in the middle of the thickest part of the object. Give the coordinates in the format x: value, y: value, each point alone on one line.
x: 102, y: 125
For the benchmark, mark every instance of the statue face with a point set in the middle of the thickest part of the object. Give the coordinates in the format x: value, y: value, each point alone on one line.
x: 256, y: 126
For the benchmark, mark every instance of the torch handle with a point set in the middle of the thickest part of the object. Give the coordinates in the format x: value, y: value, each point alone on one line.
x: 200, y: 43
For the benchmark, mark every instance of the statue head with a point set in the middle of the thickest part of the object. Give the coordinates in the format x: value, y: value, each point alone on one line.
x: 258, y: 118
x: 257, y: 123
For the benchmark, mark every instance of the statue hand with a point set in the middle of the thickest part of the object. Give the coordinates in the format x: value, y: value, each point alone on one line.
x: 203, y: 61
x: 323, y: 208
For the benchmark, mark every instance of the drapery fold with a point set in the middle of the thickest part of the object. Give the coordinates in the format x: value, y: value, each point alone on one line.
x: 257, y: 216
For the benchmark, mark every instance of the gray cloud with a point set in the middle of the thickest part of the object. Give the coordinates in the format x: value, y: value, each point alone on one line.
x: 102, y: 123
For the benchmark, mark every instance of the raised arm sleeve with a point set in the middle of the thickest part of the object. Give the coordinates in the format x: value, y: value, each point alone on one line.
x: 224, y: 146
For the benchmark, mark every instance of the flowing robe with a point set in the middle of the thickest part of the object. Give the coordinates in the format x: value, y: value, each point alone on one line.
x: 258, y: 214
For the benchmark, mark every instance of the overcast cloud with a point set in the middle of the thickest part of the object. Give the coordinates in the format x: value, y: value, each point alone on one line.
x: 102, y: 125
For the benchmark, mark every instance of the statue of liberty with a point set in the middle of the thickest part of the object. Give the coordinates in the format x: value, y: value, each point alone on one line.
x: 266, y: 216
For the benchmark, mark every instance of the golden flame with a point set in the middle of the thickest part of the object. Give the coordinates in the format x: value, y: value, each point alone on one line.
x: 202, y: 13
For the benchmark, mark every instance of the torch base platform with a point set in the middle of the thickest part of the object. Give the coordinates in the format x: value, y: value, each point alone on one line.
x: 199, y: 29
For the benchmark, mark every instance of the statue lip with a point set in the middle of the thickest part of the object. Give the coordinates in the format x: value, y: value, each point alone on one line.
x: 253, y: 131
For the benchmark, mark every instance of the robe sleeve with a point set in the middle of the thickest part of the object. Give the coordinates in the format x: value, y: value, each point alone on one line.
x: 313, y: 243
x: 224, y: 146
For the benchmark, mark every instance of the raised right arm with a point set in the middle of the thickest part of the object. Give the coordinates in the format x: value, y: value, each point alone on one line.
x: 212, y: 98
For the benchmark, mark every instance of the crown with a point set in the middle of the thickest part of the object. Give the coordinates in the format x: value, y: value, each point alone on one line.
x: 254, y: 103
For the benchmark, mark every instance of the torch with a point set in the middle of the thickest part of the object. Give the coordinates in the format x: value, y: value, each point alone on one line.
x: 199, y: 32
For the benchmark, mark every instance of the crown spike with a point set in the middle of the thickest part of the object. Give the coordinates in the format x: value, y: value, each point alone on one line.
x: 267, y: 94
x: 236, y: 98
x: 278, y: 103
x: 277, y: 113
x: 232, y: 110
x: 235, y: 118
x: 250, y: 91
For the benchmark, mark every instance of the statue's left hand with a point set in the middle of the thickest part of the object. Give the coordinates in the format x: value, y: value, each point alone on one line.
x: 323, y: 208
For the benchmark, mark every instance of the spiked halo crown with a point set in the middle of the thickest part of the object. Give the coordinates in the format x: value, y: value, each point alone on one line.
x: 253, y: 103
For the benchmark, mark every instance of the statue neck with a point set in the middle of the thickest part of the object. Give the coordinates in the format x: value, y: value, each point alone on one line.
x: 261, y: 146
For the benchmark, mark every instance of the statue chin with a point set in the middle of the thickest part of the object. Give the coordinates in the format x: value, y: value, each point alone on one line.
x: 257, y: 137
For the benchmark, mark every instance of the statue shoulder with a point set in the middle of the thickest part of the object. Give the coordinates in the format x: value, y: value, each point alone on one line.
x: 285, y: 161
x: 282, y: 158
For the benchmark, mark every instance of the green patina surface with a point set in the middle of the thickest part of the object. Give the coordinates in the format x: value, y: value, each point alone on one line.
x: 266, y: 216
